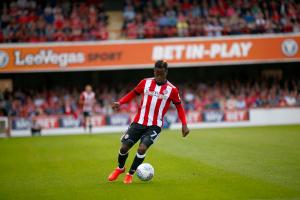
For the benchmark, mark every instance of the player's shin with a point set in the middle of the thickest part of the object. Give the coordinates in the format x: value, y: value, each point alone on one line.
x: 90, y: 126
x: 122, y: 159
x: 139, y: 158
x: 84, y: 125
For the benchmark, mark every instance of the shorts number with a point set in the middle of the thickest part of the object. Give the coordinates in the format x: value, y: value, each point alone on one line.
x: 154, y: 135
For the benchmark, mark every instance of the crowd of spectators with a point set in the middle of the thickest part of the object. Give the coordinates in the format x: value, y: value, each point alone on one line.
x: 219, y: 95
x: 40, y: 21
x: 234, y: 94
x: 173, y: 18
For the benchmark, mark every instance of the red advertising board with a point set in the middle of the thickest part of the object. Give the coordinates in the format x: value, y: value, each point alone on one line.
x: 236, y: 115
x: 197, y: 51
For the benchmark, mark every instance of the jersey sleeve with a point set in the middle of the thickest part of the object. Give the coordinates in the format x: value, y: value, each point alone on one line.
x: 181, y: 113
x: 136, y: 91
x: 139, y: 89
x: 81, y: 98
x: 175, y: 98
x: 128, y: 97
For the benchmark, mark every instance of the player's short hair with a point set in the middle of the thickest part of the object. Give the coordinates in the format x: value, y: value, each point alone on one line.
x: 161, y: 64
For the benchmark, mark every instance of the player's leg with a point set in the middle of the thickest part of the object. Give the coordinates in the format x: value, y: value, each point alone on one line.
x: 148, y: 138
x: 130, y: 137
x: 123, y: 155
x: 84, y: 120
x: 139, y: 157
x: 89, y: 121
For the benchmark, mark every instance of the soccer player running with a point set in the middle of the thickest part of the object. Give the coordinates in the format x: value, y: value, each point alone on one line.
x: 157, y: 94
x: 87, y: 100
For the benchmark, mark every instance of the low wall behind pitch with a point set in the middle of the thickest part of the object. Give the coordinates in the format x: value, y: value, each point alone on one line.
x: 257, y: 117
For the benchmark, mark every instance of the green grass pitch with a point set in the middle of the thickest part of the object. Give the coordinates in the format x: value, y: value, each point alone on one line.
x: 258, y: 163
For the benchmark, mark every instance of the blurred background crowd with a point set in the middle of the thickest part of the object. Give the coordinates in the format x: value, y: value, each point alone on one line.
x: 171, y: 18
x: 39, y: 21
x: 218, y: 95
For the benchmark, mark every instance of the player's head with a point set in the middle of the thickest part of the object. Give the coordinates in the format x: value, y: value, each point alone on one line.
x: 88, y: 88
x: 160, y: 71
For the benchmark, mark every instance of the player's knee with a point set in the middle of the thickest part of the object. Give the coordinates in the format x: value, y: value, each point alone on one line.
x: 124, y: 149
x: 142, y: 149
x: 127, y: 143
x: 146, y: 142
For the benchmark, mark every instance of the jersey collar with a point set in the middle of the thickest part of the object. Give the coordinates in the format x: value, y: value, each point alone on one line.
x: 162, y: 83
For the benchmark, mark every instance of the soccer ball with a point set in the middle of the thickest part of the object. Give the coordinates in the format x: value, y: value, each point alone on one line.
x: 145, y: 172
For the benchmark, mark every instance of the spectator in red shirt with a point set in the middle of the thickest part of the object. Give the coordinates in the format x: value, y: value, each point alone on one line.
x: 132, y: 30
x: 149, y: 28
x: 186, y: 5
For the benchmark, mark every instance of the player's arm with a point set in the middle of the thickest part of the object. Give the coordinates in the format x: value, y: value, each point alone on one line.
x: 125, y: 99
x: 181, y: 113
x: 129, y: 96
x: 81, y: 100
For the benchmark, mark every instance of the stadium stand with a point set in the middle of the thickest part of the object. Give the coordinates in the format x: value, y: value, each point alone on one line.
x: 172, y: 18
x: 38, y: 21
x: 218, y: 95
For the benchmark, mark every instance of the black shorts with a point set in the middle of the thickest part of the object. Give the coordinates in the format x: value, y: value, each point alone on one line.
x: 87, y: 114
x: 136, y: 132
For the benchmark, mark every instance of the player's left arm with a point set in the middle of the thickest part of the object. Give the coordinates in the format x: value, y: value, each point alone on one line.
x: 129, y: 96
x: 181, y: 113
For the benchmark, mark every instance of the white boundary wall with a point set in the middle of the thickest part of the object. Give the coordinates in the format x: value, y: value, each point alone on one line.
x: 5, y: 121
x: 258, y: 117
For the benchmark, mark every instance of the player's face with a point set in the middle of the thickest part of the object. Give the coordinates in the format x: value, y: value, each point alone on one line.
x: 160, y: 75
x: 88, y: 88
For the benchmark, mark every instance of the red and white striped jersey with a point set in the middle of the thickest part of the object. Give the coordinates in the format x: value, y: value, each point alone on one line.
x: 88, y: 99
x: 155, y: 101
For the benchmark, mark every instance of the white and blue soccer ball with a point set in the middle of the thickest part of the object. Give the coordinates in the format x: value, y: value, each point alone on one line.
x: 145, y: 172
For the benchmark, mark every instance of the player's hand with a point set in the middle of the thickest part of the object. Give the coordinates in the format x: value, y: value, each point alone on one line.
x: 116, y: 106
x: 185, y: 130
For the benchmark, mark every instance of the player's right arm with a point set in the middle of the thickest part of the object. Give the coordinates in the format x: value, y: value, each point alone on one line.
x: 129, y: 96
x: 81, y: 99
